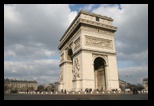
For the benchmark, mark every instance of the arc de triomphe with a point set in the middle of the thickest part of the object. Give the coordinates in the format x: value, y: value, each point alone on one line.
x: 87, y: 54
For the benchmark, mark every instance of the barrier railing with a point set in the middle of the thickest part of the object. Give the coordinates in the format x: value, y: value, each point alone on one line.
x: 84, y: 92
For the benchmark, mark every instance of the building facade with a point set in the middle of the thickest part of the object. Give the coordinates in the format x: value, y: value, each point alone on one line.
x: 88, y: 55
x: 145, y: 83
x: 123, y: 85
x: 15, y: 86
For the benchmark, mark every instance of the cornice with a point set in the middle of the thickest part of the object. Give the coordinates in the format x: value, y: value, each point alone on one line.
x: 86, y: 22
x: 97, y: 15
x: 78, y: 21
x: 98, y: 51
x: 65, y: 61
x: 97, y: 24
x: 88, y: 13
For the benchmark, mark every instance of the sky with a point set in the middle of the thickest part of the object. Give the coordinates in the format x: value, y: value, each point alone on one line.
x: 32, y: 33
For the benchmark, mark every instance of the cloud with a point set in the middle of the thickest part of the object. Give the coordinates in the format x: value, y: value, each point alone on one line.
x: 41, y: 23
x: 44, y: 71
x: 133, y: 75
x: 140, y: 58
x: 131, y: 38
x: 28, y: 51
x: 32, y: 33
x: 31, y: 37
x: 72, y: 16
x: 88, y: 7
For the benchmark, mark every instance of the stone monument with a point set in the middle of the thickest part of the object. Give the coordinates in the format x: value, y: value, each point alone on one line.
x: 87, y: 54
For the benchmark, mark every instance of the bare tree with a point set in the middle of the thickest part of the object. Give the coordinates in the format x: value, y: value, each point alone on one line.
x: 6, y: 87
x: 139, y: 86
x: 40, y: 88
x: 133, y: 87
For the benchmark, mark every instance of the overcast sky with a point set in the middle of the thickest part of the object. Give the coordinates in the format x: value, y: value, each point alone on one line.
x: 32, y: 33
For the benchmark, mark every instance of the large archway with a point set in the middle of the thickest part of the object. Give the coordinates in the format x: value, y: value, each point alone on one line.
x: 99, y: 74
x: 81, y: 49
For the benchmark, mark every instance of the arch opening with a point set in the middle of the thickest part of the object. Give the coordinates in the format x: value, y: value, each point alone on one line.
x: 70, y: 53
x: 99, y: 74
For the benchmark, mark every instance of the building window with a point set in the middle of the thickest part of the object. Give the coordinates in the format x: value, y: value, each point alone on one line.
x: 97, y: 18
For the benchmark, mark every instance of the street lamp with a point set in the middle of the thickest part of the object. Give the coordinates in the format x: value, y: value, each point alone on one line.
x: 27, y: 88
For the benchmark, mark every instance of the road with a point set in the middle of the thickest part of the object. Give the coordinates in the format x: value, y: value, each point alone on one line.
x: 75, y: 97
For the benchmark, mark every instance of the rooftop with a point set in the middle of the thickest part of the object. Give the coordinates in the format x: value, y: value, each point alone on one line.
x: 20, y: 81
x: 145, y: 79
x: 88, y: 13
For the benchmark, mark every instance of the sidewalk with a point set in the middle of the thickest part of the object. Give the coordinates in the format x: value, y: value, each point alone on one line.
x: 83, y: 93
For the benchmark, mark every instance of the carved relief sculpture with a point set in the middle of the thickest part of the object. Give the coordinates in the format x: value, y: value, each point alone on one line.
x: 71, y: 45
x: 106, y: 32
x: 88, y: 54
x: 61, y: 76
x: 77, y: 44
x: 99, y: 42
x: 76, y: 69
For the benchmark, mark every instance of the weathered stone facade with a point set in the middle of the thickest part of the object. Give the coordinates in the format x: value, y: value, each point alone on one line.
x: 19, y: 85
x: 145, y: 83
x: 87, y: 54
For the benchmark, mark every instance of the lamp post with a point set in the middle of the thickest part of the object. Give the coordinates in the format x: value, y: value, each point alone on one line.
x: 27, y: 88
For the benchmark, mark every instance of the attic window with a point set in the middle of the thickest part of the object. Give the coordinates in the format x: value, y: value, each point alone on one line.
x: 97, y: 18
